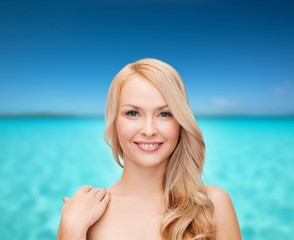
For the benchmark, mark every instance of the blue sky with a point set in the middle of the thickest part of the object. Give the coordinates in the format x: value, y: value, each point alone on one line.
x: 235, y: 57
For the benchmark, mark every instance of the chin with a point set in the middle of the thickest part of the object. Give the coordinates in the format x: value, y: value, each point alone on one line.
x: 150, y: 162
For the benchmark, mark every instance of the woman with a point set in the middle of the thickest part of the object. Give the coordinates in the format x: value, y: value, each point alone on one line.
x: 154, y: 137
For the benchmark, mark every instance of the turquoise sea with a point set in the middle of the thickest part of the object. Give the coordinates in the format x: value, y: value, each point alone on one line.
x: 45, y: 159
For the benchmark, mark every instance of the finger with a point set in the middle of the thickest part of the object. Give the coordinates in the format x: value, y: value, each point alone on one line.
x: 86, y: 188
x: 105, y: 201
x: 65, y: 200
x: 100, y: 195
x: 94, y: 191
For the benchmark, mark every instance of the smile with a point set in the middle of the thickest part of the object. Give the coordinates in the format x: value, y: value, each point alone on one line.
x: 148, y: 147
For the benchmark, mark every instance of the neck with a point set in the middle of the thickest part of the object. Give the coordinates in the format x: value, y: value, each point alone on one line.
x: 141, y: 181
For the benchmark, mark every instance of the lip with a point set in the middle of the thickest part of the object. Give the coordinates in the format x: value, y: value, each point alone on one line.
x: 141, y: 142
x: 152, y: 149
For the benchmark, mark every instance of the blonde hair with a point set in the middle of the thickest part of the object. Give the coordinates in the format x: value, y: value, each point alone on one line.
x: 189, y: 213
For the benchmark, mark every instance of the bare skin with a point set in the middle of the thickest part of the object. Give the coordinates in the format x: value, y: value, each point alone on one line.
x: 123, y: 219
x: 129, y: 217
x: 80, y: 212
x: 226, y: 219
x: 135, y: 210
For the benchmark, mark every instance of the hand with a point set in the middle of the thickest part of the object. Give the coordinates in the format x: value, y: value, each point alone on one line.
x: 85, y: 207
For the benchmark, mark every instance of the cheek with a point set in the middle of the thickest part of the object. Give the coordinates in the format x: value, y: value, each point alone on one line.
x: 125, y: 130
x: 172, y: 131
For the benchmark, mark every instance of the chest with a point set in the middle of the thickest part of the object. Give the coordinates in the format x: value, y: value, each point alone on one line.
x: 128, y: 220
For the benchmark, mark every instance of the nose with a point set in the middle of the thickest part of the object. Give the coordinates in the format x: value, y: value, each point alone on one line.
x: 148, y: 129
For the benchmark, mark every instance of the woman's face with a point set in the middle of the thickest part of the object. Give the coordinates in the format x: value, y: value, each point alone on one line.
x: 146, y: 130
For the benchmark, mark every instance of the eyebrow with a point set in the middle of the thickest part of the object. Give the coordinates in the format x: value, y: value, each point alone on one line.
x: 136, y: 107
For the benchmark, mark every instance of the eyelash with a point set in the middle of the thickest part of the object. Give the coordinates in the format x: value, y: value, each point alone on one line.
x: 131, y: 112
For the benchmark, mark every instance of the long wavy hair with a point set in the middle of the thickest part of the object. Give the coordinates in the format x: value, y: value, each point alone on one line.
x: 189, y: 214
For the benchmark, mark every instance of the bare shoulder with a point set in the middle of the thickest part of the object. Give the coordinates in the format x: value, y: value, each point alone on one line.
x: 225, y: 215
x: 218, y: 196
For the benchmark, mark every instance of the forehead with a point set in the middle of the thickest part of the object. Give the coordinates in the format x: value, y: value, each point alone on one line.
x: 140, y: 91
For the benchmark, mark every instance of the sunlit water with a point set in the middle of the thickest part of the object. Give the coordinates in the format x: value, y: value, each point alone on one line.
x: 42, y: 160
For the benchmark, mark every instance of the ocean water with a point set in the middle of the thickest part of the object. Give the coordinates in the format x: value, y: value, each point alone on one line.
x: 42, y: 160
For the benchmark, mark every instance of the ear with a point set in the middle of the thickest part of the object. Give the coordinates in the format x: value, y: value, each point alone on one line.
x: 65, y: 200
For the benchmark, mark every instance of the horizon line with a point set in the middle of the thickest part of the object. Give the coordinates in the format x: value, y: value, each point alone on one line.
x: 74, y: 115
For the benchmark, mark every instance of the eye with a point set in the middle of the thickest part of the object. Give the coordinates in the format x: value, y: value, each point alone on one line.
x: 165, y: 114
x: 132, y: 113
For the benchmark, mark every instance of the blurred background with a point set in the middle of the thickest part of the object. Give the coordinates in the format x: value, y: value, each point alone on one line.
x: 58, y: 58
